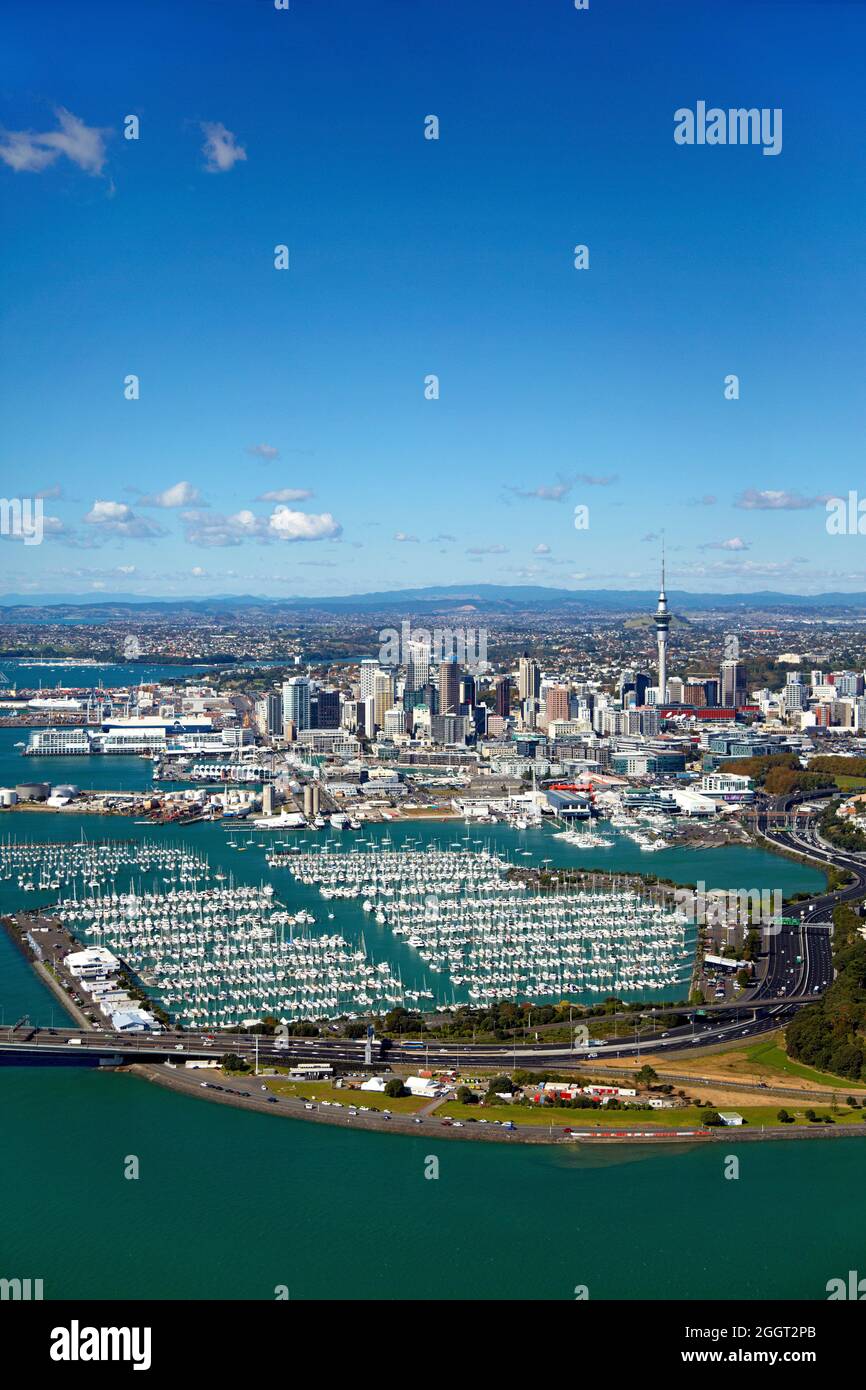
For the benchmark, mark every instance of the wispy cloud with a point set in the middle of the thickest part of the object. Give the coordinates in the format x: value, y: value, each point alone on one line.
x: 735, y: 543
x: 263, y: 451
x: 220, y: 149
x: 770, y: 500
x: 29, y: 152
x: 286, y: 494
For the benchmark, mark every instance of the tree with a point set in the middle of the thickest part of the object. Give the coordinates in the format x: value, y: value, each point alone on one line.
x: 466, y: 1097
x: 712, y: 1117
x: 230, y: 1061
x: 646, y: 1076
x: 784, y: 1118
x: 394, y: 1087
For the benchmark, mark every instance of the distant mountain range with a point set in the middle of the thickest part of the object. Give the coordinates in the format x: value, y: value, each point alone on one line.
x: 453, y: 598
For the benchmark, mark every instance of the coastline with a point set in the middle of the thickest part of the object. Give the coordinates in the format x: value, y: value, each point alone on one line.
x: 243, y: 1098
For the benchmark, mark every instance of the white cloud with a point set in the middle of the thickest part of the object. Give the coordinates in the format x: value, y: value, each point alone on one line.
x: 118, y: 519
x: 284, y: 524
x: 220, y: 149
x: 263, y: 451
x: 405, y: 539
x: 541, y: 549
x: 29, y: 152
x: 288, y: 525
x: 179, y: 495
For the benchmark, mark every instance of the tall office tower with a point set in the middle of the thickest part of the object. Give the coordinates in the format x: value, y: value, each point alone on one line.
x: 274, y: 701
x: 556, y: 703
x: 502, y: 696
x: 730, y: 683
x: 296, y: 704
x: 467, y: 691
x: 329, y: 709
x: 417, y: 665
x: 383, y: 696
x: 449, y: 687
x: 528, y: 678
x: 675, y: 690
x: 662, y: 621
x: 368, y: 720
x: 370, y: 668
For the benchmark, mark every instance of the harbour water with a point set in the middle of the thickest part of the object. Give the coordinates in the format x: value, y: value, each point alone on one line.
x: 231, y: 1204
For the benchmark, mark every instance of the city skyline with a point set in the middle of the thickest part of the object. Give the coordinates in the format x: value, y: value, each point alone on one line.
x: 282, y: 443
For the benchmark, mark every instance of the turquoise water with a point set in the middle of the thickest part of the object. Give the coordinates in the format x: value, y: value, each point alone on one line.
x: 232, y: 1205
x: 739, y: 866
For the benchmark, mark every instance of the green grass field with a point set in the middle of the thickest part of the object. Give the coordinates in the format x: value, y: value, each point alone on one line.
x: 687, y: 1118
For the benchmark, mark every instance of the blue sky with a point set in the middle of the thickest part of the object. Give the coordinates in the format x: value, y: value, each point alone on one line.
x: 411, y: 257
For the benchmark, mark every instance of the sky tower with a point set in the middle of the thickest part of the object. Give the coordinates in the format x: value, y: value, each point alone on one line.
x: 662, y: 620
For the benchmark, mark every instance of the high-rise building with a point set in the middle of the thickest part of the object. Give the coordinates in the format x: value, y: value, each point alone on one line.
x: 502, y: 696
x: 528, y: 678
x: 329, y: 709
x: 467, y: 691
x: 383, y: 696
x: 449, y: 687
x: 296, y: 705
x: 556, y: 702
x: 417, y: 665
x: 370, y: 668
x: 730, y: 685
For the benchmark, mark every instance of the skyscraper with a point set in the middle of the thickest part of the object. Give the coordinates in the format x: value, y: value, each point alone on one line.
x: 417, y: 665
x: 296, y: 704
x: 528, y: 678
x: 662, y: 620
x: 383, y: 696
x: 449, y: 687
x: 502, y: 693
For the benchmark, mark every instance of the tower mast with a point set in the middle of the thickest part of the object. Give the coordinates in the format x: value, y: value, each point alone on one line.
x: 662, y: 620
